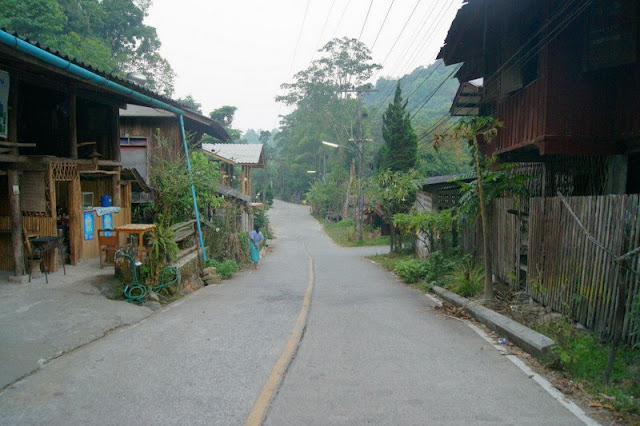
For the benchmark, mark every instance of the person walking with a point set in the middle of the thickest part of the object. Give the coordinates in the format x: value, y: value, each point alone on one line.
x: 255, y: 244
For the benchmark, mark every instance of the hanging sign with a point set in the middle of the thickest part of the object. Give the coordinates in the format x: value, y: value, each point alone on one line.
x: 88, y: 225
x: 4, y: 103
x: 107, y: 223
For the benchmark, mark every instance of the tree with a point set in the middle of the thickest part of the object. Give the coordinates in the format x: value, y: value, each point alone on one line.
x: 224, y: 116
x: 471, y: 130
x: 401, y: 143
x: 264, y: 137
x: 107, y: 34
x: 323, y: 111
x: 393, y: 192
x: 191, y: 103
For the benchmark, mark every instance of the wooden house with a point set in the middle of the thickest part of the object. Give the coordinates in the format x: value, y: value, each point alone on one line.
x: 145, y: 130
x: 59, y: 150
x: 563, y: 77
x: 245, y: 156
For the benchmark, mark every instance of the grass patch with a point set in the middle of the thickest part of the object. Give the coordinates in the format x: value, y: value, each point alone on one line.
x: 583, y: 358
x: 344, y: 234
x: 402, y: 262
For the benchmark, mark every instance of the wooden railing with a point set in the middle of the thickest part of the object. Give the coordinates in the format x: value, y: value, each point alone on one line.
x: 185, y: 237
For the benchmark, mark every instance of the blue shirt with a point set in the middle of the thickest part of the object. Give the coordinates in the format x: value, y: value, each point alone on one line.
x: 256, y: 237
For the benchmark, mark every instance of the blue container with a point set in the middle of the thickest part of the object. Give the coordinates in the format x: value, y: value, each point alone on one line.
x: 105, y: 200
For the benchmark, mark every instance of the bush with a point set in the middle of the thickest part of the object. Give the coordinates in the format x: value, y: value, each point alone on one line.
x: 225, y: 268
x: 438, y: 266
x: 346, y: 223
x: 412, y: 270
x: 467, y: 278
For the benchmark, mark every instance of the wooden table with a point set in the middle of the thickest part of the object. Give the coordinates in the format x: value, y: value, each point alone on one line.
x: 140, y: 229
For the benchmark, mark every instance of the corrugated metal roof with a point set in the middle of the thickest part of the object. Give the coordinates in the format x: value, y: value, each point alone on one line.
x: 108, y: 75
x: 143, y: 111
x: 245, y: 154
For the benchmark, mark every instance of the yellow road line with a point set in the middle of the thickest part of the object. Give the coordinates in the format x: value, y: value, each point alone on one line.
x: 261, y: 406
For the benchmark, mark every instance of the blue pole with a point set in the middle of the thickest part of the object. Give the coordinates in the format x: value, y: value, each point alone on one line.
x: 193, y: 189
x: 50, y: 58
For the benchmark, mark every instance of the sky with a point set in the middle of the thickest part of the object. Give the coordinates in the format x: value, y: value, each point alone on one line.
x: 240, y: 52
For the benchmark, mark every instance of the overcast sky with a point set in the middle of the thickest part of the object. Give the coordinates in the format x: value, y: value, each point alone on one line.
x: 239, y: 52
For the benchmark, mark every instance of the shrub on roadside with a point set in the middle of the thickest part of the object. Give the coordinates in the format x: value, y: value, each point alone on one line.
x: 412, y: 270
x: 466, y: 278
x: 225, y: 268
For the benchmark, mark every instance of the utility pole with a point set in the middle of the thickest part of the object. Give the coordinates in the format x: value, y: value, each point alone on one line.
x: 360, y: 144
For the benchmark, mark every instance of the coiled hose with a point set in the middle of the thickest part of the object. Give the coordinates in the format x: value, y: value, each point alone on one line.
x: 135, y: 291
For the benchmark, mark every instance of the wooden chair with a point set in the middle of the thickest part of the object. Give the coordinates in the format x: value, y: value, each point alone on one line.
x: 108, y: 244
x: 31, y: 258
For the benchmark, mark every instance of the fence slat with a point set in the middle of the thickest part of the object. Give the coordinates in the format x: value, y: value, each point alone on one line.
x: 566, y: 270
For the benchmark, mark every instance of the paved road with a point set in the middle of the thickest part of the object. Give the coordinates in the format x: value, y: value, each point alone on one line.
x: 374, y: 351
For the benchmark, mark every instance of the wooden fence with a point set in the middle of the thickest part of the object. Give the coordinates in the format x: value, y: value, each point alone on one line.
x: 570, y: 273
x: 564, y: 269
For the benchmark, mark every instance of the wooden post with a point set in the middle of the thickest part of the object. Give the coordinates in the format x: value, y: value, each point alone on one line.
x: 75, y: 221
x: 115, y: 128
x: 73, y: 131
x: 117, y: 196
x: 12, y: 129
x: 16, y: 222
x: 17, y: 241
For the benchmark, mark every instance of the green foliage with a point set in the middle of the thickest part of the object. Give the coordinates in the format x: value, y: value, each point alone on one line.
x: 108, y: 34
x: 435, y: 268
x: 394, y: 192
x: 261, y: 218
x: 466, y: 278
x: 499, y: 180
x: 328, y: 196
x: 584, y: 359
x: 226, y: 269
x: 244, y: 243
x: 344, y: 234
x: 172, y: 185
x: 401, y: 143
x: 190, y: 102
x: 412, y: 270
x: 444, y: 161
x: 323, y: 111
x: 162, y: 251
x: 434, y: 227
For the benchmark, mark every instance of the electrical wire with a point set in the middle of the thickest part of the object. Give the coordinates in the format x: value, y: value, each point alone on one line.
x: 431, y: 29
x: 382, y: 26
x: 322, y: 32
x: 333, y: 35
x: 453, y: 71
x: 295, y: 51
x: 366, y: 18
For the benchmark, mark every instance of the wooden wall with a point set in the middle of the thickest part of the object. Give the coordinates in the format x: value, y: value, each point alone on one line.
x: 154, y: 129
x: 90, y: 248
x: 42, y: 226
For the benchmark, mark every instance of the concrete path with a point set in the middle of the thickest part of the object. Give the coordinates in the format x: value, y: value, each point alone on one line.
x: 41, y: 321
x: 374, y: 351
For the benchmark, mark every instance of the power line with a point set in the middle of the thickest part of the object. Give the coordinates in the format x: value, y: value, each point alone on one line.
x: 431, y: 29
x: 340, y: 21
x: 400, y: 35
x: 295, y: 52
x: 322, y: 32
x: 382, y: 26
x: 365, y: 20
x: 456, y: 68
x: 413, y: 38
